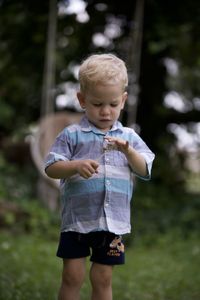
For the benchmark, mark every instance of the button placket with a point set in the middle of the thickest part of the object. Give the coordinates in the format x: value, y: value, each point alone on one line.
x: 107, y: 159
x: 107, y: 181
x: 107, y: 185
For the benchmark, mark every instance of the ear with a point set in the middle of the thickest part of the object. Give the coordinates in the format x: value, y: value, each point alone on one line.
x: 81, y: 99
x: 124, y: 98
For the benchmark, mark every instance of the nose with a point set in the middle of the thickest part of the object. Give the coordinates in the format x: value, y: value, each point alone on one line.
x: 104, y: 111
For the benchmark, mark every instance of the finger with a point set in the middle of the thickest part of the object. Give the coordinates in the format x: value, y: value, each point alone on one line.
x: 110, y: 139
x: 92, y: 168
x: 94, y: 164
x: 86, y: 175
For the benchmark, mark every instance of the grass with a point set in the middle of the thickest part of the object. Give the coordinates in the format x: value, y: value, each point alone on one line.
x: 28, y: 269
x: 167, y: 270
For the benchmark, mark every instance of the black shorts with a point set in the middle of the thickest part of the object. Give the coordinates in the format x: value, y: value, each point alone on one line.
x: 107, y: 248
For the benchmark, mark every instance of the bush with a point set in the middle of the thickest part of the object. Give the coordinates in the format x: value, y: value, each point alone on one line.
x: 158, y: 210
x: 20, y: 210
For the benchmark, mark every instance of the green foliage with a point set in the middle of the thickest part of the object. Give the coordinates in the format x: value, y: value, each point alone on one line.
x: 6, y: 114
x: 30, y: 217
x: 23, y: 26
x: 17, y: 181
x: 159, y: 210
x: 20, y: 210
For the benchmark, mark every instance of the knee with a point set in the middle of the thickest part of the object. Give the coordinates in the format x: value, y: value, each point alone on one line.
x: 73, y: 279
x: 101, y: 279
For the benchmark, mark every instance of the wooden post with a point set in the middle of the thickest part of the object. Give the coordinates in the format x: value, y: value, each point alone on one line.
x: 47, y: 103
x: 133, y: 61
x: 47, y: 192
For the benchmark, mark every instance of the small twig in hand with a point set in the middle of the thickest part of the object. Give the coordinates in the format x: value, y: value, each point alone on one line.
x: 110, y: 146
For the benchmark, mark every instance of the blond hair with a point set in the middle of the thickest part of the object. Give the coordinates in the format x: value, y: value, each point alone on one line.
x: 103, y: 69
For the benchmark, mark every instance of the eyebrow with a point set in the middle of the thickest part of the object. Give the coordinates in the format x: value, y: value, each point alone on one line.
x: 100, y: 100
x: 96, y: 101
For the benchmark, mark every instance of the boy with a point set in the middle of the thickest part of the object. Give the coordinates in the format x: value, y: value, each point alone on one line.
x: 96, y: 160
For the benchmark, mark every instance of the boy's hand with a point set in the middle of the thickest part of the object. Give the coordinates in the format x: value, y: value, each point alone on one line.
x: 135, y: 159
x: 121, y: 144
x: 87, y: 168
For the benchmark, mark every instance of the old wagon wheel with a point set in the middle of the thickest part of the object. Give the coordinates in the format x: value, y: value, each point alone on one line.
x: 41, y: 141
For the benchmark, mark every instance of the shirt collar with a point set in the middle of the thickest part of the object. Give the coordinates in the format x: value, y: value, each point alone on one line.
x: 87, y: 126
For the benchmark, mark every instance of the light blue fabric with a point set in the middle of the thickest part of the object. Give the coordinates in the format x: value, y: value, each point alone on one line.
x: 101, y: 202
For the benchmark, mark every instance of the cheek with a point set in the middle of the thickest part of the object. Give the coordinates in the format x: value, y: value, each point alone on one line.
x: 116, y: 111
x: 93, y: 111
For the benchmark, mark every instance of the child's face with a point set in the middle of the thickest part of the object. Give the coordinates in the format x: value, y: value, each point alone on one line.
x: 103, y: 104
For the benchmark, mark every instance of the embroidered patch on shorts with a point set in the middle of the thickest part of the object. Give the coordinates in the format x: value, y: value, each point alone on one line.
x: 116, y: 247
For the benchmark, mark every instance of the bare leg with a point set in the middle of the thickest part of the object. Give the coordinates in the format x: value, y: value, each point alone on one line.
x: 101, y: 280
x: 72, y: 279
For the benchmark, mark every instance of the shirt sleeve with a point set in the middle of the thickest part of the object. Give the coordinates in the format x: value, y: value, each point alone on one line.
x: 140, y: 146
x: 60, y: 150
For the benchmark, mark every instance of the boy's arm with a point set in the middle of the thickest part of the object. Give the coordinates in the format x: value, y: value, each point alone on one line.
x: 135, y: 159
x: 66, y: 169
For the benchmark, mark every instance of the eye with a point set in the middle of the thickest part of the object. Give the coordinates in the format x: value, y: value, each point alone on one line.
x: 97, y: 104
x: 114, y: 104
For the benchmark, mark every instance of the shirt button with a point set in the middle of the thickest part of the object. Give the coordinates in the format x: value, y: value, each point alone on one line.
x: 107, y: 182
x: 107, y: 159
x: 107, y: 204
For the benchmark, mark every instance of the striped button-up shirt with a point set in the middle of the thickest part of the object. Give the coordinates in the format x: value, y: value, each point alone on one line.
x: 101, y: 202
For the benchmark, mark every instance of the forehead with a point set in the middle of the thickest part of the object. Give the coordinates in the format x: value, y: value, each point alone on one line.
x: 105, y: 91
